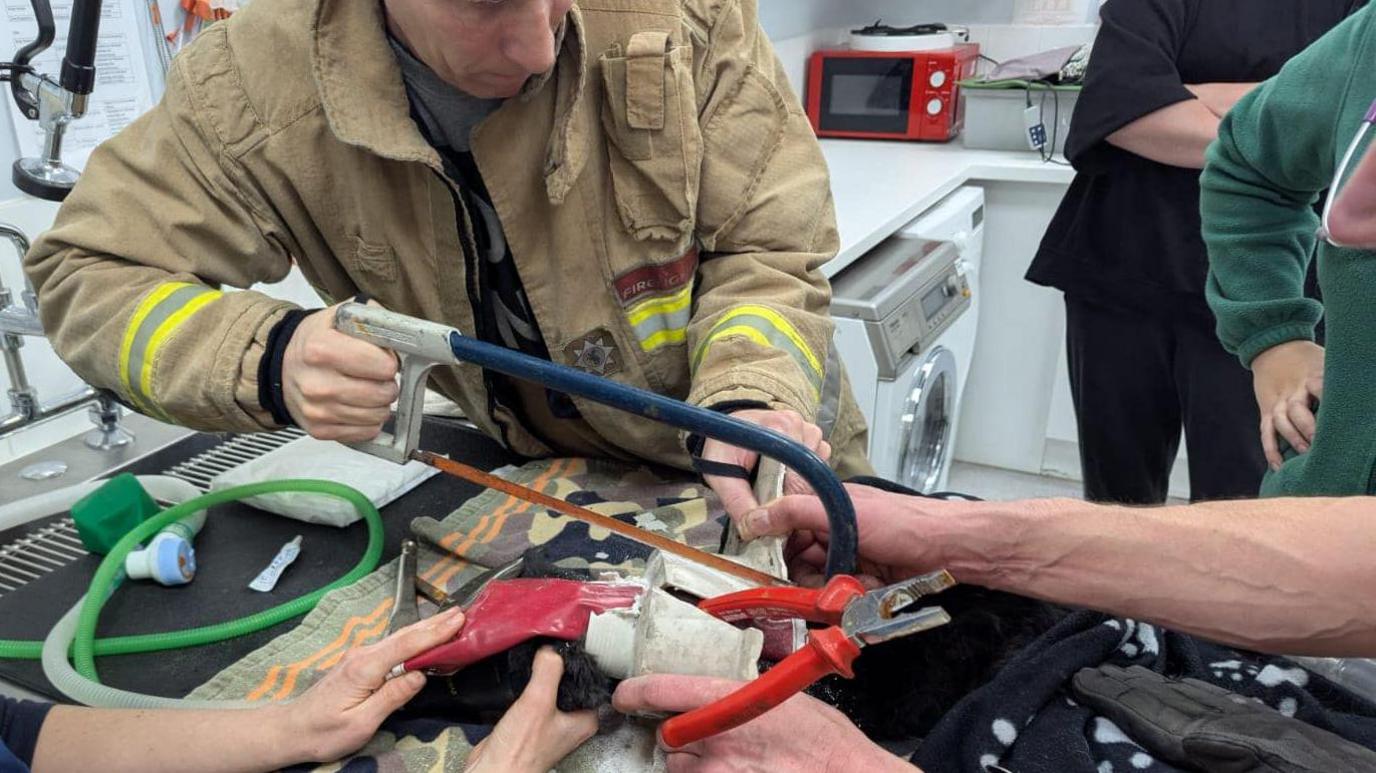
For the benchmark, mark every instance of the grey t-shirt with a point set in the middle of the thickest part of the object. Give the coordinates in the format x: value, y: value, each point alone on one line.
x: 447, y: 118
x: 447, y: 114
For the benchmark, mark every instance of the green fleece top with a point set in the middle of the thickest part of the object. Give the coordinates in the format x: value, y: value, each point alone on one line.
x: 1275, y: 152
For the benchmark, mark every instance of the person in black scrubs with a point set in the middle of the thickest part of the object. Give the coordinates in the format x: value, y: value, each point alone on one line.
x: 1125, y: 245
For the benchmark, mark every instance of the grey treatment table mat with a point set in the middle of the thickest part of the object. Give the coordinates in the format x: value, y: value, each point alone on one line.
x: 237, y: 542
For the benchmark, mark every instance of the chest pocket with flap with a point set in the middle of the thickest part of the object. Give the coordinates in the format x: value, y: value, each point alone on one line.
x: 655, y: 145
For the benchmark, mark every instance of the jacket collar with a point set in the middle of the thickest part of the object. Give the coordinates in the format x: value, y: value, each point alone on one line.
x: 568, y: 143
x: 365, y: 102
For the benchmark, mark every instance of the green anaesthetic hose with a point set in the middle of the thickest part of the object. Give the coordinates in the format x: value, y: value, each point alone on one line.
x: 86, y: 647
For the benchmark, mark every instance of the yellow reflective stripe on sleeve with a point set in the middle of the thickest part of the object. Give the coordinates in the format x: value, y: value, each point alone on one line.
x: 781, y: 324
x: 829, y: 408
x: 739, y: 330
x: 664, y: 338
x: 769, y: 328
x: 165, y: 331
x: 153, y: 323
x: 662, y: 321
x: 666, y: 305
x: 126, y: 348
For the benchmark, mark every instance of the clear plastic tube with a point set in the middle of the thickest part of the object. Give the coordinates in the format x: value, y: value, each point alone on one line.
x: 92, y: 693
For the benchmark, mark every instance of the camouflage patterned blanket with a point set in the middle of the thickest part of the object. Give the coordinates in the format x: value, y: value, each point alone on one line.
x: 487, y: 531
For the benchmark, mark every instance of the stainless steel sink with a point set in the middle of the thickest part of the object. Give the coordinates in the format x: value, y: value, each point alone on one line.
x: 84, y: 463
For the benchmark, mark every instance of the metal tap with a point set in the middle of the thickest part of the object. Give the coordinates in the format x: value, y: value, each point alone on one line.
x: 18, y: 320
x: 21, y: 319
x: 46, y: 176
x: 55, y: 102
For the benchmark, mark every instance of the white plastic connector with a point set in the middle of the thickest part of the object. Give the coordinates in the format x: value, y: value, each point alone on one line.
x: 668, y: 636
x: 169, y: 560
x: 611, y: 641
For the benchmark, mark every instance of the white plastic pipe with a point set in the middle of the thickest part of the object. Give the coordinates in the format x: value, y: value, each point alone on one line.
x: 163, y: 488
x: 65, y: 678
x: 663, y: 635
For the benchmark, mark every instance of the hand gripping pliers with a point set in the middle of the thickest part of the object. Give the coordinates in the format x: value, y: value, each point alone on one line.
x: 856, y: 618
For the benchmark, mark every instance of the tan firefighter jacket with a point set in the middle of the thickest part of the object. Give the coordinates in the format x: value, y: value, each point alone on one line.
x: 664, y: 199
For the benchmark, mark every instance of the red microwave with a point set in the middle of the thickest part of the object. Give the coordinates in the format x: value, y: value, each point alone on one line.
x: 889, y: 95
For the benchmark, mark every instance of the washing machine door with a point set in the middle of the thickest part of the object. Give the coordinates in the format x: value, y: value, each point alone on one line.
x: 926, y: 422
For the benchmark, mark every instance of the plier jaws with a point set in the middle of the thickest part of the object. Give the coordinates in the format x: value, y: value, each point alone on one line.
x: 855, y: 618
x: 880, y: 616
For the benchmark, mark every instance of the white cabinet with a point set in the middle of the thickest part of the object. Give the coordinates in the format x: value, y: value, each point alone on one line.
x: 1008, y: 399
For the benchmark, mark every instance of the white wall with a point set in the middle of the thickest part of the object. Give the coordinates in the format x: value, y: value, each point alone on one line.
x: 1008, y: 396
x: 791, y: 18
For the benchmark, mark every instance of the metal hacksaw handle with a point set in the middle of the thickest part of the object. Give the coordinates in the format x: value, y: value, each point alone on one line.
x: 422, y: 345
x: 419, y: 346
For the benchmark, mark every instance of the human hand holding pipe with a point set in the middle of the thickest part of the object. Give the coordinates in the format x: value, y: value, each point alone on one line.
x: 887, y: 552
x: 737, y: 495
x: 534, y: 735
x: 344, y: 709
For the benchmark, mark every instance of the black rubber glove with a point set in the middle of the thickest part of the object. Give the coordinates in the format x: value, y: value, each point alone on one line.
x: 1196, y: 725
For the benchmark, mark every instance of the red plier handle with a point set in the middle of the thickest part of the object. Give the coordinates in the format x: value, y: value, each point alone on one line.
x: 828, y: 651
x: 824, y: 605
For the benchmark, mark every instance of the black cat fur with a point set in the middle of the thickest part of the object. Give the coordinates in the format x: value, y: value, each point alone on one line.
x: 903, y: 687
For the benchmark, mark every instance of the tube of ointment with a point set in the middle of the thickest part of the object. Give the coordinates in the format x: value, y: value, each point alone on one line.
x: 267, y: 579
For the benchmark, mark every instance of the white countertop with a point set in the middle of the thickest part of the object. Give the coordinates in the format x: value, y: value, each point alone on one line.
x: 881, y: 186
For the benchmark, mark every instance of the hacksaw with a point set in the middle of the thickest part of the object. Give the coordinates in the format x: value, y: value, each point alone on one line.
x: 421, y: 345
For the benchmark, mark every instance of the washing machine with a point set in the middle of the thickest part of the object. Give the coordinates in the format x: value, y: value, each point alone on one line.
x: 906, y: 325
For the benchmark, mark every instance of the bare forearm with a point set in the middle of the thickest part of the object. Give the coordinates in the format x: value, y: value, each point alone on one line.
x: 1219, y: 98
x: 1176, y: 135
x: 1288, y: 576
x: 230, y: 741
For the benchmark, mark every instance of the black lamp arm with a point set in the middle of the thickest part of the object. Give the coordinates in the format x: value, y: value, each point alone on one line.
x: 47, y: 32
x: 79, y: 63
x: 78, y: 74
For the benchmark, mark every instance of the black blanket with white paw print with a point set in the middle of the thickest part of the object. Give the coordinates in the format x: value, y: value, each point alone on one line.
x: 1028, y: 720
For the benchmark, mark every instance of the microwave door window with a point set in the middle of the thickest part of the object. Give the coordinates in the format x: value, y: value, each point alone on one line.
x: 867, y: 95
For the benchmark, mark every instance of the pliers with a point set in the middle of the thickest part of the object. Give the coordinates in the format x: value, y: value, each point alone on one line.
x: 406, y: 611
x: 857, y: 618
